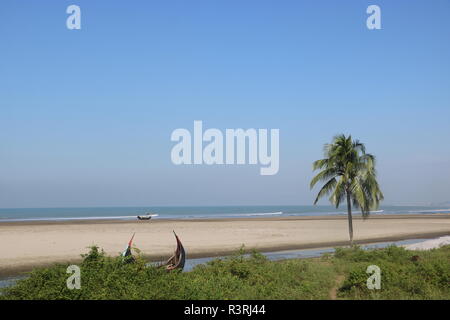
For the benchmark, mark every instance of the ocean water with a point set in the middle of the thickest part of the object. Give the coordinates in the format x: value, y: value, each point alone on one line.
x: 128, y: 213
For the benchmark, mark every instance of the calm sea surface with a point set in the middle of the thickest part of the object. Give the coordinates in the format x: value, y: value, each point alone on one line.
x: 33, y: 214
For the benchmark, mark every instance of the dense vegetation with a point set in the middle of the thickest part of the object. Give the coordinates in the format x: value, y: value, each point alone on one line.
x: 405, y: 275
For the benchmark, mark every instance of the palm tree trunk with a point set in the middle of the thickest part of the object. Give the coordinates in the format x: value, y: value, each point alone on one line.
x: 350, y: 221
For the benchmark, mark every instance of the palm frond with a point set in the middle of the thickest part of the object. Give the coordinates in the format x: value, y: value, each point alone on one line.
x: 324, y: 175
x: 326, y: 189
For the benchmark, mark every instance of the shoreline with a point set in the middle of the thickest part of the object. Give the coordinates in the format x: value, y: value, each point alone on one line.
x: 264, y: 218
x: 25, y: 268
x: 42, y: 243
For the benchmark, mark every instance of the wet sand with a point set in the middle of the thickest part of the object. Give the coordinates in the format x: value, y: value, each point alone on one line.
x: 24, y: 245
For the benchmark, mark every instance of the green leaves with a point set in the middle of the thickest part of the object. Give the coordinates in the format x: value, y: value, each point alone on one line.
x: 326, y: 189
x: 405, y: 274
x: 402, y: 277
x: 348, y: 169
x: 240, y: 276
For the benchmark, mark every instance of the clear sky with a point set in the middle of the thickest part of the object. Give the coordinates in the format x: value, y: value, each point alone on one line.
x: 86, y: 115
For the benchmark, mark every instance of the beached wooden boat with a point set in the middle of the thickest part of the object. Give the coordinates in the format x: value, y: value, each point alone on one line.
x: 127, y: 251
x: 177, y: 260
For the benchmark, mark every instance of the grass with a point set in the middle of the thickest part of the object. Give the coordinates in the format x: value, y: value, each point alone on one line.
x: 405, y: 275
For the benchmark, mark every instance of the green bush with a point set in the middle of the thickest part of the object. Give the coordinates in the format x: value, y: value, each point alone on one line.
x: 404, y: 275
x: 235, y: 277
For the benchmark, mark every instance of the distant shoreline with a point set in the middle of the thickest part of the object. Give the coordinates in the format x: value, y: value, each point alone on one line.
x: 40, y: 243
x: 262, y: 218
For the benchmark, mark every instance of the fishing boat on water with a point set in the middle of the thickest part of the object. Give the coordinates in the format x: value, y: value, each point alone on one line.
x: 147, y: 216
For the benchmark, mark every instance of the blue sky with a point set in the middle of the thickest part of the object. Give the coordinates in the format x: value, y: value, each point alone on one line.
x: 86, y: 115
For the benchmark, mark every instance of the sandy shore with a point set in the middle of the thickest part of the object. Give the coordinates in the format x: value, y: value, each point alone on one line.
x: 429, y: 244
x: 24, y: 245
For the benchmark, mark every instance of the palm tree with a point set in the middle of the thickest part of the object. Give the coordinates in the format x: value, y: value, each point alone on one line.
x: 349, y: 173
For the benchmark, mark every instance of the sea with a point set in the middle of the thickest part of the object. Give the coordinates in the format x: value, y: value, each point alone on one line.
x: 192, y: 212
